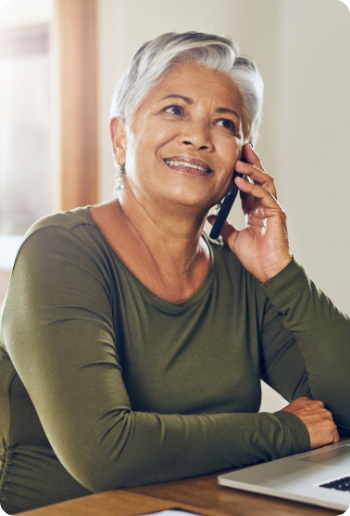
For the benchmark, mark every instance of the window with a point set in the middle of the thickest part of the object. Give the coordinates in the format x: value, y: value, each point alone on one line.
x: 25, y: 128
x: 37, y: 134
x: 25, y: 136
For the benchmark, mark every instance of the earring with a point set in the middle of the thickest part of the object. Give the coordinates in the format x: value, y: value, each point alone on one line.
x: 119, y: 176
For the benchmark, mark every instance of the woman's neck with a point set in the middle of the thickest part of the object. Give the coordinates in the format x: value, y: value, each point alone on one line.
x: 162, y: 247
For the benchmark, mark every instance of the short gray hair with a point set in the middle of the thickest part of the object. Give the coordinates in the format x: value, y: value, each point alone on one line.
x: 158, y: 57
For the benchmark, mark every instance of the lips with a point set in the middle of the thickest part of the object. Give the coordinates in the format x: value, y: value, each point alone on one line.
x: 187, y: 162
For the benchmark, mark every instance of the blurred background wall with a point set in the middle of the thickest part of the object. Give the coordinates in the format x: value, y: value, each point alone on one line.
x: 302, y: 49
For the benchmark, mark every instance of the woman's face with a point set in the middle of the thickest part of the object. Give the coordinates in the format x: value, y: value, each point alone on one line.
x: 185, y: 138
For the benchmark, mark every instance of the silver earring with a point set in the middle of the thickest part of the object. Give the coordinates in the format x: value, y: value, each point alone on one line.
x: 119, y: 177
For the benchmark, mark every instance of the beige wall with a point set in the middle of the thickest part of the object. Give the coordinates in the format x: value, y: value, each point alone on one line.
x: 314, y: 172
x: 302, y: 49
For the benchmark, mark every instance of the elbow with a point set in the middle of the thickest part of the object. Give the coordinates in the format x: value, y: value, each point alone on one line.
x: 105, y: 457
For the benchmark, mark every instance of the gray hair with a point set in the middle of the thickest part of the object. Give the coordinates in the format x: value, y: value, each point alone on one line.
x: 158, y: 57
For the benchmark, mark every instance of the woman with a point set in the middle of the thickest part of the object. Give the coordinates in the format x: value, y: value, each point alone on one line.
x: 132, y: 344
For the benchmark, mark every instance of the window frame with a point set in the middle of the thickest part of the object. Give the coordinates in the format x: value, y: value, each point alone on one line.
x: 75, y: 51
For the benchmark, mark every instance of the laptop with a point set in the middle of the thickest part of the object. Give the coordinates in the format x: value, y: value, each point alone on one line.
x: 319, y: 477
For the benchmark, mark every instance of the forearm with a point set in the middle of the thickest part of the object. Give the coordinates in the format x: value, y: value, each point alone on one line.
x: 323, y: 336
x: 143, y: 448
x: 88, y: 418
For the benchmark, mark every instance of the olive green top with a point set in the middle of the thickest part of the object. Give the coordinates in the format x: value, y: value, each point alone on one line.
x: 103, y: 384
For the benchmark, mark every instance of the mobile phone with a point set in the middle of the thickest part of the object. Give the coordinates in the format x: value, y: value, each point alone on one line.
x: 226, y: 206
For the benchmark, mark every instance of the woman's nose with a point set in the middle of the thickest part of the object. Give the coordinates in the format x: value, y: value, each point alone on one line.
x: 196, y: 134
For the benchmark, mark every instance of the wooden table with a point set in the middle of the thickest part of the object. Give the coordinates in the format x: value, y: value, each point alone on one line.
x: 202, y: 495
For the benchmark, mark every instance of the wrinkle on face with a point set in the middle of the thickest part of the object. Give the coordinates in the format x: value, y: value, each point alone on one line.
x: 154, y: 135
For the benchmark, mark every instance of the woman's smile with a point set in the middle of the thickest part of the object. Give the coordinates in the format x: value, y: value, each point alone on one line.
x: 187, y: 165
x: 192, y: 124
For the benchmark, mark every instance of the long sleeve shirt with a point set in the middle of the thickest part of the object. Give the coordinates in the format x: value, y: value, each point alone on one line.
x: 104, y: 385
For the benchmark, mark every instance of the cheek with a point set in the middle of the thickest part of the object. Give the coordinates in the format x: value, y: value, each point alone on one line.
x: 153, y: 145
x: 141, y: 155
x: 162, y: 133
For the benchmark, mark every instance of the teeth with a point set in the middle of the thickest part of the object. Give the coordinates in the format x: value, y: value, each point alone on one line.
x: 172, y: 163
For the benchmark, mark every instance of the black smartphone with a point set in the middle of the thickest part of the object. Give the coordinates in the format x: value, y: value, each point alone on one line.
x: 226, y: 206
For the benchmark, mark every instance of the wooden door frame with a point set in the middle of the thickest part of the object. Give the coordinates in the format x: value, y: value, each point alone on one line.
x: 75, y: 39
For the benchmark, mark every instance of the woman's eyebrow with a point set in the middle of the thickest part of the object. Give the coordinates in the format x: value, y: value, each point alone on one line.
x: 189, y: 101
x: 173, y: 95
x: 226, y: 110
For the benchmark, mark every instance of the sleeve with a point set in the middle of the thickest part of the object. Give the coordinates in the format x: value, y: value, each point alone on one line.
x: 59, y: 334
x: 308, y: 351
x: 282, y: 364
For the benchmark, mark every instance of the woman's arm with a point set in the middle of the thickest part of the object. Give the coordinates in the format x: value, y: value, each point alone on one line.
x: 322, y: 334
x: 58, y: 331
x: 321, y: 331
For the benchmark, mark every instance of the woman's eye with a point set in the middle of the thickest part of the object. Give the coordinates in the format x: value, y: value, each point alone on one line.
x: 173, y: 110
x: 226, y: 124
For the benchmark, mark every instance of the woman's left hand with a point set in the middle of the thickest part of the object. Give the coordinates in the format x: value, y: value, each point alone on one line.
x: 262, y: 246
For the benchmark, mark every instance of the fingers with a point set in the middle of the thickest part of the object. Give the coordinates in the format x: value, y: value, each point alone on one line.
x: 227, y: 228
x: 251, y: 156
x: 304, y: 403
x: 336, y: 437
x: 307, y: 403
x: 264, y: 195
x: 317, y: 419
x: 254, y: 169
x: 257, y: 177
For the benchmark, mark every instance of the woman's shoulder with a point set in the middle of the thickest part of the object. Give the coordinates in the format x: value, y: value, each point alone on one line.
x: 65, y: 220
x: 69, y: 233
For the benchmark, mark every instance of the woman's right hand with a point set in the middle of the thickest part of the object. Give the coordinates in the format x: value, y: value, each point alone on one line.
x: 318, y: 421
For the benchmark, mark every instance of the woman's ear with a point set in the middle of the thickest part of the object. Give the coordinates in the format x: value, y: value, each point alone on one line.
x: 118, y: 137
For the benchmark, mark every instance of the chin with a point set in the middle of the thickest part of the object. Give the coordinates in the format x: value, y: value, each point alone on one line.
x: 195, y: 202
